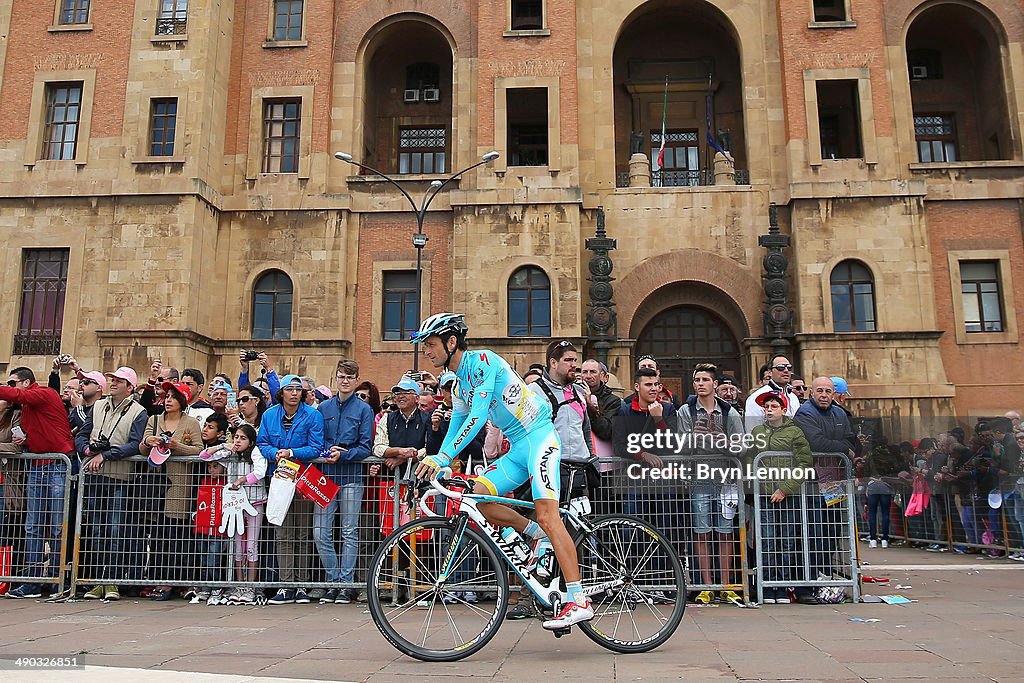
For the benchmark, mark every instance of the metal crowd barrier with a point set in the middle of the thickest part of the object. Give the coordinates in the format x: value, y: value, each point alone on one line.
x: 151, y: 527
x: 807, y: 542
x: 697, y: 502
x: 35, y: 497
x: 958, y: 521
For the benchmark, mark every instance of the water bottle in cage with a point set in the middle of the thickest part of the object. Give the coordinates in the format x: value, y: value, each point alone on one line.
x: 545, y: 560
x: 516, y: 543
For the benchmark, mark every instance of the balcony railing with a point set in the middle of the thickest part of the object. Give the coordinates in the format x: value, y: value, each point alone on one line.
x: 171, y: 27
x: 698, y: 178
x: 37, y: 343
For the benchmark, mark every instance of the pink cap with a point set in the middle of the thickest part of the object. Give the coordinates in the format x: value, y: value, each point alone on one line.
x: 126, y: 374
x: 158, y: 455
x: 95, y: 377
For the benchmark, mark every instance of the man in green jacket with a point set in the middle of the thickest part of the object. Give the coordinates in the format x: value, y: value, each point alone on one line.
x: 783, y: 475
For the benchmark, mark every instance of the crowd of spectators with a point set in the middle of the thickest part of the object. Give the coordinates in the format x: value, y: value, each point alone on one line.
x: 187, y: 432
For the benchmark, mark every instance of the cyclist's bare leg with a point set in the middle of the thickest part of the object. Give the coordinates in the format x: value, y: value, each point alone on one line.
x: 561, y: 542
x: 498, y: 514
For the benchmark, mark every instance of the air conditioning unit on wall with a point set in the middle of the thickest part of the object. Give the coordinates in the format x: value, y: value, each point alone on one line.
x: 412, y: 96
x: 431, y: 95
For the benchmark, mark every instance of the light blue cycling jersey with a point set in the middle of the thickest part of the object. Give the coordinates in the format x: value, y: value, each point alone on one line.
x: 487, y: 388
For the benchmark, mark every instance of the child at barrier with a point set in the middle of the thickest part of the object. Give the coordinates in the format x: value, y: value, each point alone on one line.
x: 247, y: 469
x: 780, y: 511
x: 212, y: 541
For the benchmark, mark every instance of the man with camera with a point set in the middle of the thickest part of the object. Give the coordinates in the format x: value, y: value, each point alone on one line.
x: 44, y: 431
x: 110, y: 434
x: 273, y: 382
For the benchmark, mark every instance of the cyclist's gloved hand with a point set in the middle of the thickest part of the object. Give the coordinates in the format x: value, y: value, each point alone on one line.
x: 430, y: 464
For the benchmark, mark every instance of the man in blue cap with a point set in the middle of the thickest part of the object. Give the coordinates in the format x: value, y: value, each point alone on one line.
x: 842, y: 391
x: 402, y: 434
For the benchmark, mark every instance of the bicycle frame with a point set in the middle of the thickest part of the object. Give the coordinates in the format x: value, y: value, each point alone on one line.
x: 468, y: 512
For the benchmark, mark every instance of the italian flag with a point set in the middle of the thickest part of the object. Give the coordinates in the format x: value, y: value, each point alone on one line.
x: 664, y: 116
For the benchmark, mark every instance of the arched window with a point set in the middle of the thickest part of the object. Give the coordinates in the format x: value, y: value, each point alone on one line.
x: 853, y: 298
x: 529, y: 303
x: 272, y: 306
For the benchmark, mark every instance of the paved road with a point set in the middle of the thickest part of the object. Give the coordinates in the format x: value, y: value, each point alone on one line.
x: 967, y: 624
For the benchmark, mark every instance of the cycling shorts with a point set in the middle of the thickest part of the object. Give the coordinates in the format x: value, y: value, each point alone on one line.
x: 538, y: 456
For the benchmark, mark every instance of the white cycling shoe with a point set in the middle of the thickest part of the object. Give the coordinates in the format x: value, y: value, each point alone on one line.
x: 571, y: 614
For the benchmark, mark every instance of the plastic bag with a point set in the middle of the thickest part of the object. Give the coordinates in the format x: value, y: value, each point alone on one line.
x: 279, y: 499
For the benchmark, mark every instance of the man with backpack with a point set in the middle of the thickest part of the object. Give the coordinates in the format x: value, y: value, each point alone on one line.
x: 711, y: 423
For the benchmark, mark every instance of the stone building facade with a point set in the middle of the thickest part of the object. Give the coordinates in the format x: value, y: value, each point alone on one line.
x: 887, y: 133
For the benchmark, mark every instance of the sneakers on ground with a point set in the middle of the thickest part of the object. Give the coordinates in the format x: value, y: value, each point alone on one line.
x: 284, y: 596
x: 961, y: 549
x: 571, y: 614
x: 342, y: 597
x: 470, y: 597
x: 704, y: 597
x: 934, y: 548
x: 217, y: 597
x: 518, y: 611
x: 730, y: 597
x: 111, y: 593
x: 25, y: 590
x: 360, y: 596
x: 885, y: 544
x: 245, y: 596
x: 201, y: 595
x: 301, y: 596
x: 769, y: 596
x: 425, y: 603
x: 317, y: 594
x: 328, y: 597
x: 453, y: 598
x: 96, y: 593
x: 872, y: 543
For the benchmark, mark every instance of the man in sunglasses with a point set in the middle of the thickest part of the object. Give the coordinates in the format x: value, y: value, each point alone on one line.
x: 781, y: 371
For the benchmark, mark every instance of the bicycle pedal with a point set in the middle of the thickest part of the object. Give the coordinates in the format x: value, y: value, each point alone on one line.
x: 559, y: 632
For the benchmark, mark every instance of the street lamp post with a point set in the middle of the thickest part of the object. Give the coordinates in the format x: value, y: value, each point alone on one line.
x: 419, y: 238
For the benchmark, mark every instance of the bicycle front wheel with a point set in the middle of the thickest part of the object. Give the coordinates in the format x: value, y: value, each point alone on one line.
x: 645, y: 587
x: 419, y: 615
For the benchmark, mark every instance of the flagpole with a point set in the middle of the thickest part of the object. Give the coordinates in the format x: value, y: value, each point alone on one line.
x: 664, y: 118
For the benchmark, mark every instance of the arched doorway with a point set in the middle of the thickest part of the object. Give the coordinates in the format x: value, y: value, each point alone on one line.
x: 682, y: 336
x: 957, y: 86
x: 678, y: 61
x: 409, y: 99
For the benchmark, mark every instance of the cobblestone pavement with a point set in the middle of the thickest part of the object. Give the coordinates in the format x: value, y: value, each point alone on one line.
x: 965, y: 625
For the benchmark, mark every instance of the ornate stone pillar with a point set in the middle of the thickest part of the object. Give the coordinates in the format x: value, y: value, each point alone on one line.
x: 778, y: 315
x: 601, y: 321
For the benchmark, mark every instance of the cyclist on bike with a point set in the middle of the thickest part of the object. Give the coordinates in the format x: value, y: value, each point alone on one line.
x: 488, y: 388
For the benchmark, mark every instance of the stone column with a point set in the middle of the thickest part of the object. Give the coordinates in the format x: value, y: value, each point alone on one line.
x: 725, y: 172
x: 639, y: 170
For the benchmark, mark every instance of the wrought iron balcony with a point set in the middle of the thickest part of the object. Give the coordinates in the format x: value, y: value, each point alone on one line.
x: 171, y: 27
x: 698, y: 178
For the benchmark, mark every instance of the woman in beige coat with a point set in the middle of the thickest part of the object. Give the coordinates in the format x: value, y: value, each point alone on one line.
x: 181, y: 435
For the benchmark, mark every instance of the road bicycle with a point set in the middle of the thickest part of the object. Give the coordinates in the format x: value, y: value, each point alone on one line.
x: 439, y: 585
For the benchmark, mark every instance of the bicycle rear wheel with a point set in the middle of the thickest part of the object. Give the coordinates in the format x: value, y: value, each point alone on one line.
x: 647, y: 595
x: 422, y: 619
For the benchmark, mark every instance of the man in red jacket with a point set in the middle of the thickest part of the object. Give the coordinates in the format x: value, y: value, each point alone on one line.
x: 44, y: 422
